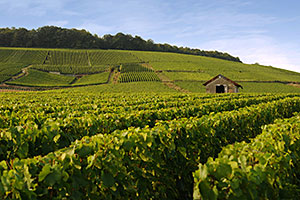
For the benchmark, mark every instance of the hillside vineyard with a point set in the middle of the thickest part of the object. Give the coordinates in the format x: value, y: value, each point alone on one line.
x: 80, y: 145
x: 120, y: 70
x: 116, y: 124
x: 56, y: 37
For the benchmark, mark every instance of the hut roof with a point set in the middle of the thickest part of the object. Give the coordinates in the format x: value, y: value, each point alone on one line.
x: 219, y: 76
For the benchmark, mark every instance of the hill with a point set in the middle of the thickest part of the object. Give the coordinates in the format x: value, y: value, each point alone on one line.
x: 122, y: 70
x: 56, y: 37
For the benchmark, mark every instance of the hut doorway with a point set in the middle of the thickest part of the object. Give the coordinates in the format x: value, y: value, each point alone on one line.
x: 220, y: 89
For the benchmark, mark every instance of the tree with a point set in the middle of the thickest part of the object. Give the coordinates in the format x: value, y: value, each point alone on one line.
x: 57, y: 37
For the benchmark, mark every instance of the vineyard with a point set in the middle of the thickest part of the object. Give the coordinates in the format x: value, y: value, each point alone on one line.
x: 115, y: 124
x: 39, y: 78
x: 178, y: 72
x: 136, y: 73
x: 24, y: 56
x: 67, y: 58
x: 82, y: 145
x: 111, y: 57
x: 68, y: 69
x: 98, y: 78
x: 9, y: 70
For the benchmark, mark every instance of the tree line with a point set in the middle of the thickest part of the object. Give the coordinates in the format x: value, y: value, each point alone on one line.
x: 57, y: 37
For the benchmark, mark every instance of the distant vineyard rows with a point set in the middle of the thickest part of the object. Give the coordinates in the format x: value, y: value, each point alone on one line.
x: 136, y: 73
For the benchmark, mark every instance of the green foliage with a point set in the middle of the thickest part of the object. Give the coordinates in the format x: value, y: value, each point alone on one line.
x: 188, y: 76
x: 133, y: 67
x: 129, y: 87
x: 265, y: 168
x: 111, y: 57
x: 135, y: 146
x: 4, y: 78
x: 93, y: 79
x: 135, y: 73
x: 60, y: 57
x: 101, y: 119
x: 192, y: 86
x: 206, y: 68
x: 56, y: 37
x: 38, y: 78
x: 182, y: 69
x: 137, y: 76
x: 67, y: 69
x: 24, y: 56
x: 268, y: 87
x: 10, y: 69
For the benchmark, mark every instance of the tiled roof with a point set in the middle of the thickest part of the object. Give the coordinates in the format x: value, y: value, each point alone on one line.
x: 221, y: 76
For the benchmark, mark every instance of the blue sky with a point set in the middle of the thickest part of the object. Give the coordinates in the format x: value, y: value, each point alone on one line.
x: 263, y: 31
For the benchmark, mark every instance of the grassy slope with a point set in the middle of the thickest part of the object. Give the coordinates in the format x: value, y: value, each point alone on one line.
x: 38, y: 78
x: 69, y: 69
x: 8, y: 70
x: 93, y: 79
x: 191, y: 86
x: 187, y: 76
x: 211, y: 67
x: 146, y: 87
x: 205, y: 67
x: 268, y: 87
x: 22, y: 55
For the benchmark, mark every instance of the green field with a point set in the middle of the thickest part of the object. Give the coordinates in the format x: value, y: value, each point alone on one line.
x: 268, y: 87
x: 112, y: 57
x: 192, y: 86
x: 68, y: 69
x: 185, y: 71
x: 8, y: 70
x: 22, y: 55
x: 187, y: 76
x: 115, y: 124
x: 38, y: 78
x: 89, y: 143
x: 93, y: 79
x: 132, y: 87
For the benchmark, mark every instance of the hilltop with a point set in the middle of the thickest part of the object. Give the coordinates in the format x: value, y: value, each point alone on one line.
x: 132, y: 71
x: 56, y: 37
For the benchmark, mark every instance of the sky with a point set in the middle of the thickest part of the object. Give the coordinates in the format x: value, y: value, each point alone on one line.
x: 257, y: 31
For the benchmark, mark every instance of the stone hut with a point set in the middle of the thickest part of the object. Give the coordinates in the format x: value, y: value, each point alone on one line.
x: 221, y: 84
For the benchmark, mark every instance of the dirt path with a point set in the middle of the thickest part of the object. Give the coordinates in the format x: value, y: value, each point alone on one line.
x: 4, y: 88
x: 110, y: 76
x: 11, y: 90
x: 88, y: 58
x: 165, y: 80
x: 115, y: 76
x: 20, y: 75
x: 295, y: 85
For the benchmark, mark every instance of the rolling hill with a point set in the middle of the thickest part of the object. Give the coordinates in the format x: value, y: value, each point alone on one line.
x: 124, y: 70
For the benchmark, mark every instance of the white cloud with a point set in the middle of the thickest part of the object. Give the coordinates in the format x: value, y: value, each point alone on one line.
x: 262, y: 49
x: 232, y: 26
x: 96, y: 28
